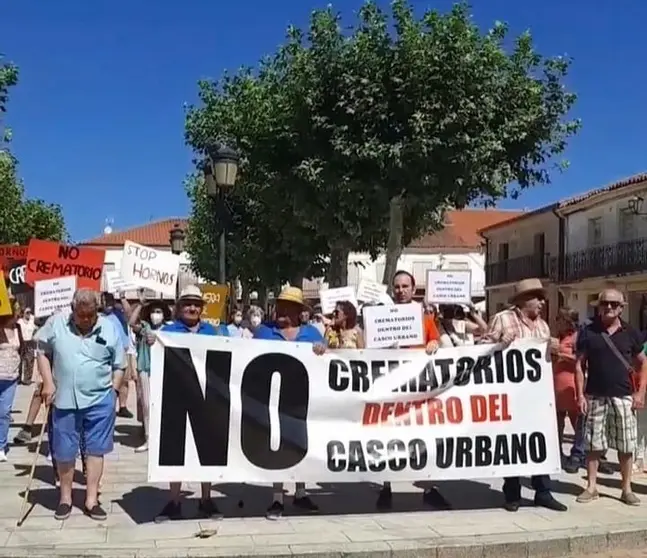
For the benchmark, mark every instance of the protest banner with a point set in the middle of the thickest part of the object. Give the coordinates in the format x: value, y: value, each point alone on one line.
x: 235, y: 410
x: 9, y: 252
x: 51, y: 295
x: 115, y: 283
x: 449, y: 286
x: 15, y: 278
x: 372, y: 291
x: 51, y: 260
x: 215, y: 302
x: 386, y: 326
x: 152, y: 269
x: 330, y: 297
x: 6, y: 308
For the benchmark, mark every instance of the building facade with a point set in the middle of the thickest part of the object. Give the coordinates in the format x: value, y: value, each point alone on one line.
x: 606, y: 245
x: 457, y: 246
x: 526, y: 246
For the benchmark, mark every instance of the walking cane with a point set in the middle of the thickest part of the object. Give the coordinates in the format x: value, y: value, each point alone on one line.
x: 23, y: 515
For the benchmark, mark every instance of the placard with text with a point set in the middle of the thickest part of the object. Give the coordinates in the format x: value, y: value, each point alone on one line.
x: 237, y: 410
x: 449, y: 286
x: 152, y: 269
x: 52, y: 295
x: 398, y: 325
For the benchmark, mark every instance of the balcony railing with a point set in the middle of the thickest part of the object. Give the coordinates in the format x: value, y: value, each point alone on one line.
x: 516, y: 269
x: 600, y: 261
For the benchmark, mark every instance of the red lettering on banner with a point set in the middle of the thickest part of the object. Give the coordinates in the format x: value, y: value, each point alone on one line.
x: 426, y: 411
x: 491, y: 408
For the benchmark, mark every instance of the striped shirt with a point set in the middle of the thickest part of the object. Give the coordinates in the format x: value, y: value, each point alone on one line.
x: 513, y: 322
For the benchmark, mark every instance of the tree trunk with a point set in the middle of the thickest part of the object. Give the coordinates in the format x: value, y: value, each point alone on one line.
x: 338, y: 272
x: 262, y: 297
x: 394, y: 245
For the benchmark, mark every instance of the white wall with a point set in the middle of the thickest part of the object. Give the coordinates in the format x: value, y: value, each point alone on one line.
x: 577, y: 224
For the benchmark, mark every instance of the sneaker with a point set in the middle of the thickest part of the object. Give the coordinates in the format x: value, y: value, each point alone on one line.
x: 123, y: 412
x: 63, y: 511
x: 275, y: 511
x: 142, y: 449
x: 96, y: 512
x: 23, y: 437
x: 172, y: 511
x: 3, y: 456
x: 306, y: 504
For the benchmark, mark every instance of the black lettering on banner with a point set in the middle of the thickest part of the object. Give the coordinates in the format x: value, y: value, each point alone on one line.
x: 58, y: 269
x: 293, y: 411
x: 487, y: 451
x: 68, y: 252
x: 357, y: 456
x: 209, y: 414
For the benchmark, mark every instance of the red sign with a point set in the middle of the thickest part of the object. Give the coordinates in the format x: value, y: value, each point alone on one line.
x: 49, y: 260
x: 10, y: 252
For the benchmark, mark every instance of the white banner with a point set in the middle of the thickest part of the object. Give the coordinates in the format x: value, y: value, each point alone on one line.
x: 52, y: 295
x: 152, y: 269
x: 237, y: 410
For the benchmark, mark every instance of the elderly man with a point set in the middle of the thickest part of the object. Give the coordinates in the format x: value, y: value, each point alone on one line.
x: 523, y: 321
x: 188, y: 310
x: 88, y: 366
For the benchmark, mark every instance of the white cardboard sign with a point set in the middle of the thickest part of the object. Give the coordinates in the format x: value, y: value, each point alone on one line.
x: 330, y: 297
x: 449, y: 287
x: 371, y: 291
x: 152, y: 269
x: 115, y: 283
x: 386, y: 326
x: 52, y: 295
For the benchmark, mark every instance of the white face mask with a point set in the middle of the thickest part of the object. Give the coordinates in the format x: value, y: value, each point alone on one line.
x: 157, y: 318
x: 255, y: 321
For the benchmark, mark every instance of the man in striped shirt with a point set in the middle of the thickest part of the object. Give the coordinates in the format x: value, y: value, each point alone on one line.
x: 523, y: 321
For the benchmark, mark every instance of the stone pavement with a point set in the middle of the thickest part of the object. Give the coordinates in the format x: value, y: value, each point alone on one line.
x: 347, y: 524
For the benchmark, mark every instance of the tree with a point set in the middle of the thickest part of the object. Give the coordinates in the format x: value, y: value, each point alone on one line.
x: 21, y: 218
x: 371, y: 133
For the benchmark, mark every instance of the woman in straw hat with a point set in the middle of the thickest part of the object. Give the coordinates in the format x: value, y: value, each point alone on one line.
x: 288, y: 327
x: 524, y: 321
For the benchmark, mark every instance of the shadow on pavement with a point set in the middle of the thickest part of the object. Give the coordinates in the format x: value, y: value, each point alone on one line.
x: 129, y: 435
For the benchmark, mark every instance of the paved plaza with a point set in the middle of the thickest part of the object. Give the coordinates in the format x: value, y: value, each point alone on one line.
x: 347, y: 524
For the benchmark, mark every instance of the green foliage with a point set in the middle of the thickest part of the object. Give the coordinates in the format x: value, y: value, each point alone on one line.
x: 21, y: 218
x: 343, y: 124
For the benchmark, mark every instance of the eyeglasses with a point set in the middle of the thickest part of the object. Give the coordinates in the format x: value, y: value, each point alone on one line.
x: 610, y: 303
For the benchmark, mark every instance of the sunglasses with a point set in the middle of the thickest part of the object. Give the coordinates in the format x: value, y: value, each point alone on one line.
x: 610, y: 303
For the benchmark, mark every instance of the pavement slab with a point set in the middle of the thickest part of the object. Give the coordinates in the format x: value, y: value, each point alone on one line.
x: 348, y: 523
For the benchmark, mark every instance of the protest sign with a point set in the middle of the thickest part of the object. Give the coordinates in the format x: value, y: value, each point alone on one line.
x: 401, y: 324
x: 51, y: 260
x: 234, y: 410
x: 371, y: 291
x: 51, y: 295
x: 449, y: 286
x: 6, y: 309
x: 9, y: 252
x: 115, y: 283
x: 152, y: 269
x: 15, y: 277
x: 330, y: 297
x: 215, y: 302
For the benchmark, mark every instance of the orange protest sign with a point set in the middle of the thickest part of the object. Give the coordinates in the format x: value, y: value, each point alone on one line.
x: 50, y: 260
x: 10, y: 252
x: 6, y: 308
x: 215, y: 301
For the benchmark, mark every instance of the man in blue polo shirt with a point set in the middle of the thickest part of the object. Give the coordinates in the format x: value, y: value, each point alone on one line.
x: 289, y: 327
x: 188, y: 310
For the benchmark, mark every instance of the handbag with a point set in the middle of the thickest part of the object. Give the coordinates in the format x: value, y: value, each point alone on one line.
x: 634, y: 378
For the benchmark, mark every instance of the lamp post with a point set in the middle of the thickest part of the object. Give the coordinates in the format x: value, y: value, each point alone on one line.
x: 220, y: 173
x: 177, y: 236
x: 635, y: 205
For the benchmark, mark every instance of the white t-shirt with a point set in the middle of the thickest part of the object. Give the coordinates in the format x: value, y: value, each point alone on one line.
x: 27, y: 327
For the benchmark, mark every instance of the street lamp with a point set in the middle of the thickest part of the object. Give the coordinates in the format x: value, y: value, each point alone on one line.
x: 177, y: 237
x: 220, y: 173
x: 635, y: 205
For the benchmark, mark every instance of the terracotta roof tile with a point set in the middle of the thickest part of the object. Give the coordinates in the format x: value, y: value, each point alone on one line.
x: 155, y: 234
x: 630, y: 181
x: 462, y: 231
x: 463, y: 228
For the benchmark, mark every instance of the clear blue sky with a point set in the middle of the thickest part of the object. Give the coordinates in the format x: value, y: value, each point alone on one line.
x: 98, y: 114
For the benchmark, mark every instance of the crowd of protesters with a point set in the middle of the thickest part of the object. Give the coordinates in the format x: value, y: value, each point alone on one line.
x: 87, y: 355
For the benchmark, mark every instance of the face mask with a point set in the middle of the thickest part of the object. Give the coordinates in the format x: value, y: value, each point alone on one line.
x: 255, y: 321
x: 238, y: 320
x: 157, y: 318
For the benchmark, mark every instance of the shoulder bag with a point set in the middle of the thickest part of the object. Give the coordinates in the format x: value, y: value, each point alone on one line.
x: 634, y: 377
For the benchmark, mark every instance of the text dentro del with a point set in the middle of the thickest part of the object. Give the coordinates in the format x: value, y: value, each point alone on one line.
x: 415, y: 454
x: 500, y: 367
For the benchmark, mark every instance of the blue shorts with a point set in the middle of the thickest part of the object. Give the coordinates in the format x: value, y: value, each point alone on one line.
x: 96, y: 424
